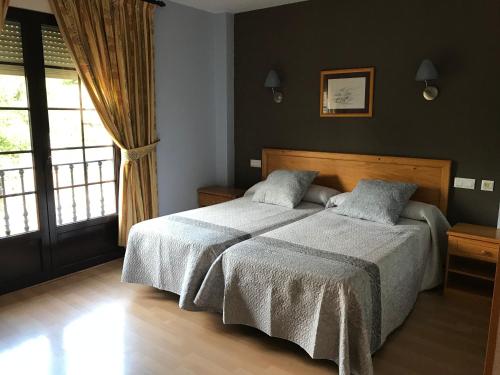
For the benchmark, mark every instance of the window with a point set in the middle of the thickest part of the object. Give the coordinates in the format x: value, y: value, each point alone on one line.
x: 58, y: 165
x: 18, y: 209
x: 82, y: 152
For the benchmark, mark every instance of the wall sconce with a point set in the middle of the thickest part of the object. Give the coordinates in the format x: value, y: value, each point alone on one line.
x: 273, y: 82
x: 425, y: 73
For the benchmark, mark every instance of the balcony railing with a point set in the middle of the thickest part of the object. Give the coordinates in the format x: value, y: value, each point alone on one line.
x: 90, y: 202
x: 97, y: 204
x: 4, y: 202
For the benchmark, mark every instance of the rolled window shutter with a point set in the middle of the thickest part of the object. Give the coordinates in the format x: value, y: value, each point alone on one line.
x: 11, y: 46
x: 55, y: 52
x: 11, y: 49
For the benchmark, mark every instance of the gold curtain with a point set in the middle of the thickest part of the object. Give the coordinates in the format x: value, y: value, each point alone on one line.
x: 112, y: 44
x: 4, y: 5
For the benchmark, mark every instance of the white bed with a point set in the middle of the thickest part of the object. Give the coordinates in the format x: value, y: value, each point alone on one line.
x: 335, y: 285
x: 174, y: 252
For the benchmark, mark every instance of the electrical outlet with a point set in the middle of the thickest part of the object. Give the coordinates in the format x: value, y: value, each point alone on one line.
x: 487, y: 185
x: 465, y: 183
x: 255, y: 163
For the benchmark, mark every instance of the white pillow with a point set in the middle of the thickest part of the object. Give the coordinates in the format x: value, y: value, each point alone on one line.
x: 319, y: 194
x: 337, y: 200
x: 253, y: 188
x: 420, y: 211
x: 315, y: 194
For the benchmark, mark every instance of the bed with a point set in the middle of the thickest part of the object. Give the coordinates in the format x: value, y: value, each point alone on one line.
x: 174, y: 252
x: 335, y: 285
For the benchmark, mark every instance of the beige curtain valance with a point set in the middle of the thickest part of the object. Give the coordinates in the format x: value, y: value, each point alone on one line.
x: 138, y: 153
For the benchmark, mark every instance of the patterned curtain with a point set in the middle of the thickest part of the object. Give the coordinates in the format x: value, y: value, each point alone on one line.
x: 4, y: 4
x: 111, y: 42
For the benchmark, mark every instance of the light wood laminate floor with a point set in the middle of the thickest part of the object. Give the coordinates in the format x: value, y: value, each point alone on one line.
x: 90, y: 323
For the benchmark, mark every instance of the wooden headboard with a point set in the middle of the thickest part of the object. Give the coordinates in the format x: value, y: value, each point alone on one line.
x: 343, y: 171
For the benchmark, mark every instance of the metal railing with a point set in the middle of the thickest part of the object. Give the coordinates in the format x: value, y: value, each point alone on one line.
x: 73, y: 186
x: 4, y: 196
x: 5, y: 214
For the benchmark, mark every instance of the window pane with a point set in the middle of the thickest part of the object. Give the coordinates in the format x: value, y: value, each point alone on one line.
x: 101, y: 153
x: 107, y: 169
x: 95, y: 133
x: 14, y: 130
x: 12, y: 86
x: 86, y: 101
x: 67, y: 156
x: 11, y: 48
x: 13, y: 181
x: 62, y: 175
x: 65, y: 212
x: 103, y: 201
x: 18, y: 223
x: 62, y: 88
x: 65, y: 129
x: 10, y: 161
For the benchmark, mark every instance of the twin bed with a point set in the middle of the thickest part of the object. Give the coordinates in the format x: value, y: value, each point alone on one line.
x: 175, y: 252
x: 335, y: 285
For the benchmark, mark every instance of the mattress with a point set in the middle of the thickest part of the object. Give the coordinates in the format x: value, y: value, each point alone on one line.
x: 334, y: 285
x: 174, y: 252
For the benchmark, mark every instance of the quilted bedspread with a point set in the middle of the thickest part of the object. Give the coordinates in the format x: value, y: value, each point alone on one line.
x: 334, y: 285
x: 174, y: 252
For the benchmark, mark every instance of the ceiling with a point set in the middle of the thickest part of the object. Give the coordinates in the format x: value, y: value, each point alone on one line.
x: 214, y: 6
x: 38, y: 5
x: 233, y: 6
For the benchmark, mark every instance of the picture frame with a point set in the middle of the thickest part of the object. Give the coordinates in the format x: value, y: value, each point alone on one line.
x: 347, y: 92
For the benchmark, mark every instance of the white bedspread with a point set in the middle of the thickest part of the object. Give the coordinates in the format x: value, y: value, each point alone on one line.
x: 334, y: 285
x: 174, y: 252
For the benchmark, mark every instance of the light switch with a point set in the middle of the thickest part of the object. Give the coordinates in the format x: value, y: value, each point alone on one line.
x: 255, y: 163
x: 465, y: 183
x: 487, y: 185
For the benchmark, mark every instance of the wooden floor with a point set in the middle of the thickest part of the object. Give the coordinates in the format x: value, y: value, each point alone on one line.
x: 90, y: 323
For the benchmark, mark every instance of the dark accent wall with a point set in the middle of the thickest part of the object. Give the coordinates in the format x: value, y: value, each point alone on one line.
x: 300, y: 40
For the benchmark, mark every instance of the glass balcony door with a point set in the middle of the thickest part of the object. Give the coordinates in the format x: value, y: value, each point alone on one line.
x: 18, y: 207
x: 82, y: 152
x: 58, y: 164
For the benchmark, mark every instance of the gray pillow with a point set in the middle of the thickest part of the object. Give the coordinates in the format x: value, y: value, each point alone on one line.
x: 284, y: 188
x: 315, y: 194
x: 377, y: 200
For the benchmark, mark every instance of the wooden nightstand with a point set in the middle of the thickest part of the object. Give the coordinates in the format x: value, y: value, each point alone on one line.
x: 472, y: 258
x: 210, y: 195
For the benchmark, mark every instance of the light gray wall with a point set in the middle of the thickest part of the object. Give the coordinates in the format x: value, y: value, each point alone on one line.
x: 194, y: 112
x: 224, y: 95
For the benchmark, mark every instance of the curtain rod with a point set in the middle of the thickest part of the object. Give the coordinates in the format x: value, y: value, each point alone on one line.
x: 155, y: 2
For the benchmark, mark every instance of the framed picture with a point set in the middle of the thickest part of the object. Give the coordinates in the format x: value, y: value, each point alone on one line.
x: 347, y: 92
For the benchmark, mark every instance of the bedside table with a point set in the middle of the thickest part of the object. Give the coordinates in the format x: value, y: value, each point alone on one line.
x: 472, y: 257
x: 210, y: 195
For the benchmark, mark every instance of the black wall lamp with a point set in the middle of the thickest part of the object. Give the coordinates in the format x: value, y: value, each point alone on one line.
x: 273, y: 82
x: 427, y: 72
